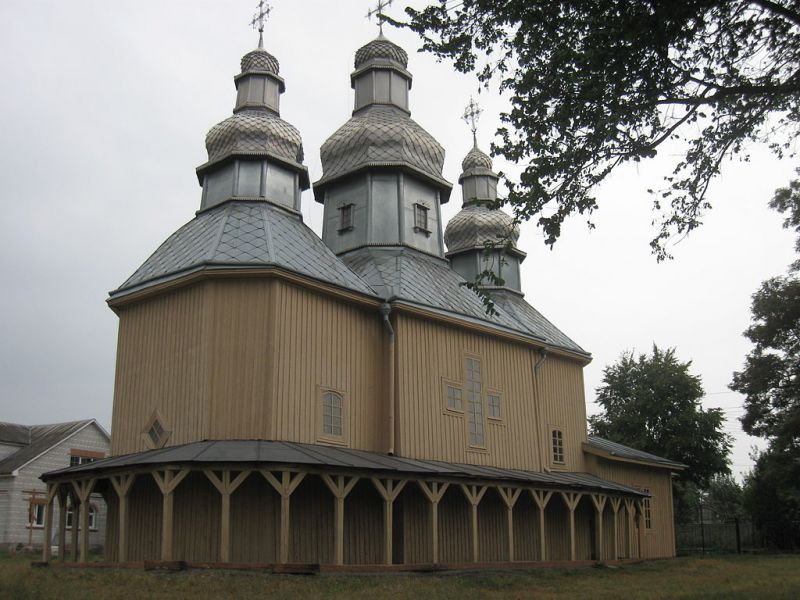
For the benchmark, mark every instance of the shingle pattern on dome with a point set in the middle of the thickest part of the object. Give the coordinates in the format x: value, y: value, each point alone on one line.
x: 255, y: 132
x: 476, y: 159
x: 261, y: 61
x: 411, y: 276
x: 243, y: 234
x: 476, y: 225
x: 381, y: 48
x: 381, y: 136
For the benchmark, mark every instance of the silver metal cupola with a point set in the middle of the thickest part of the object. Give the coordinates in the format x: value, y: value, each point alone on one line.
x: 382, y: 181
x: 254, y: 154
x: 482, y: 238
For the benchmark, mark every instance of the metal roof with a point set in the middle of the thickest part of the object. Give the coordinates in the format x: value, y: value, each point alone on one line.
x: 622, y: 451
x: 242, y: 235
x: 327, y: 458
x: 412, y: 276
x: 41, y: 438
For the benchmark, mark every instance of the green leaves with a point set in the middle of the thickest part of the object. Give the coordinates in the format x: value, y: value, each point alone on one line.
x: 593, y: 85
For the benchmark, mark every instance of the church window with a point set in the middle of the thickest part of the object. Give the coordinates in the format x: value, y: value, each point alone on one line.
x: 332, y: 414
x: 454, y: 398
x: 475, y: 402
x: 648, y: 522
x: 558, y: 446
x: 156, y: 433
x: 493, y: 402
x: 345, y: 218
x: 421, y: 218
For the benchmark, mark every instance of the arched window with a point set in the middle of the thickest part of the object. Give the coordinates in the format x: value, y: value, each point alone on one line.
x: 332, y: 414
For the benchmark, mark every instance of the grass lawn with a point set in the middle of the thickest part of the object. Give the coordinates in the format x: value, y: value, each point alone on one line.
x: 772, y: 577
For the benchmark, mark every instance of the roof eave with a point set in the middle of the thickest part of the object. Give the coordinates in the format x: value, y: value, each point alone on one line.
x: 607, y: 454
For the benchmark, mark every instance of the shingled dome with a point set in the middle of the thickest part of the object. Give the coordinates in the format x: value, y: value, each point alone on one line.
x: 381, y: 49
x: 477, y: 225
x: 256, y: 132
x: 476, y: 159
x: 260, y: 61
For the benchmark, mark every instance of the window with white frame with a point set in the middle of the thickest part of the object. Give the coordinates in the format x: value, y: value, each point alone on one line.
x: 92, y: 516
x: 455, y: 399
x: 36, y: 517
x: 558, y: 446
x: 475, y: 402
x: 75, y: 460
x: 493, y: 405
x: 332, y: 414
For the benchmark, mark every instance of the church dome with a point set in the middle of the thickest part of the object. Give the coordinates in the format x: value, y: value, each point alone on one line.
x: 260, y: 61
x: 476, y: 159
x: 381, y: 136
x: 257, y: 132
x: 381, y: 49
x: 476, y: 225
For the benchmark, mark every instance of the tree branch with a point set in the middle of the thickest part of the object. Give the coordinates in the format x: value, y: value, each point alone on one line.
x: 776, y: 8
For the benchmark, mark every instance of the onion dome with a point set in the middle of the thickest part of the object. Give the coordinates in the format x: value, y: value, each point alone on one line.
x: 260, y: 61
x: 477, y: 226
x: 476, y: 159
x: 381, y: 49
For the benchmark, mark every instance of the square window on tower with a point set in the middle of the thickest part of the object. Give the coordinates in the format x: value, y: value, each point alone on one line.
x: 345, y: 218
x: 421, y: 219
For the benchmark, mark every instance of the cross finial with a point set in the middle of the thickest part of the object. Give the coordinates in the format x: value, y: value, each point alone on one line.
x: 471, y: 115
x: 378, y: 11
x: 258, y: 20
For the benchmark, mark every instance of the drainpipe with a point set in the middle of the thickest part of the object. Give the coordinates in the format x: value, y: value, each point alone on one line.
x: 385, y: 310
x: 542, y: 432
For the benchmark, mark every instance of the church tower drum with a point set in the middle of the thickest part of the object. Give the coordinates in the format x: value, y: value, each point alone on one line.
x: 382, y: 181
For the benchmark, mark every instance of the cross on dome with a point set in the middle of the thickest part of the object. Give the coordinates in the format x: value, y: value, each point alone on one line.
x: 258, y: 20
x: 378, y: 11
x: 471, y: 115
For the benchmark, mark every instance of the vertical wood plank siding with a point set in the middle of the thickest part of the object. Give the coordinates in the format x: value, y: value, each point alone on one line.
x: 429, y: 352
x: 658, y: 541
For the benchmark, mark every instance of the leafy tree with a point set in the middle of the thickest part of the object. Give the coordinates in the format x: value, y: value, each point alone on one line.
x: 770, y: 382
x: 593, y: 85
x: 724, y: 496
x: 652, y: 403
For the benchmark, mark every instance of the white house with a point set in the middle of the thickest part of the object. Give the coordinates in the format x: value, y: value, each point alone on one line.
x: 27, y: 451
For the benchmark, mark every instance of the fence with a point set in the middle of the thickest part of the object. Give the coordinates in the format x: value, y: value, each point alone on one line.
x: 703, y: 538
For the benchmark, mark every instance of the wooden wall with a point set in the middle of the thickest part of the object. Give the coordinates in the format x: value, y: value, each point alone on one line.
x: 429, y: 353
x: 659, y: 541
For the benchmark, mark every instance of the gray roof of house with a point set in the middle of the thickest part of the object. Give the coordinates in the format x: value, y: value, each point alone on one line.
x: 40, y: 439
x: 12, y: 433
x: 243, y: 235
x: 327, y: 457
x: 411, y: 276
x: 622, y: 451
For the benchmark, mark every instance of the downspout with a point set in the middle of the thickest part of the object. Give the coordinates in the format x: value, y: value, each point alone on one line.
x: 542, y: 432
x: 386, y: 309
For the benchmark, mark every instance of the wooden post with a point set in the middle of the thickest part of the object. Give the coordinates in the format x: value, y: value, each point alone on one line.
x: 599, y: 501
x: 434, y: 494
x: 510, y: 497
x: 167, y: 480
x: 284, y: 487
x: 63, y: 497
x: 74, y: 507
x: 122, y: 485
x: 52, y: 488
x: 83, y: 489
x: 629, y: 527
x: 474, y: 495
x: 615, y: 504
x: 340, y: 488
x: 225, y: 486
x: 571, y: 499
x: 541, y: 498
x: 640, y: 522
x: 389, y: 490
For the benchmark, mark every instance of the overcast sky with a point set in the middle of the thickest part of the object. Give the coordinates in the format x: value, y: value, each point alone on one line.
x: 103, y: 115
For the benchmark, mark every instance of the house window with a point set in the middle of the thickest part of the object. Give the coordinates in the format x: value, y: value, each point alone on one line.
x: 474, y: 402
x: 36, y: 517
x: 493, y: 402
x: 92, y: 517
x: 558, y: 446
x: 332, y: 414
x: 75, y: 460
x: 454, y: 398
x: 421, y: 218
x: 345, y: 218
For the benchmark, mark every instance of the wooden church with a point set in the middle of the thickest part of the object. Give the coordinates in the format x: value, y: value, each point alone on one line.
x: 284, y: 400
